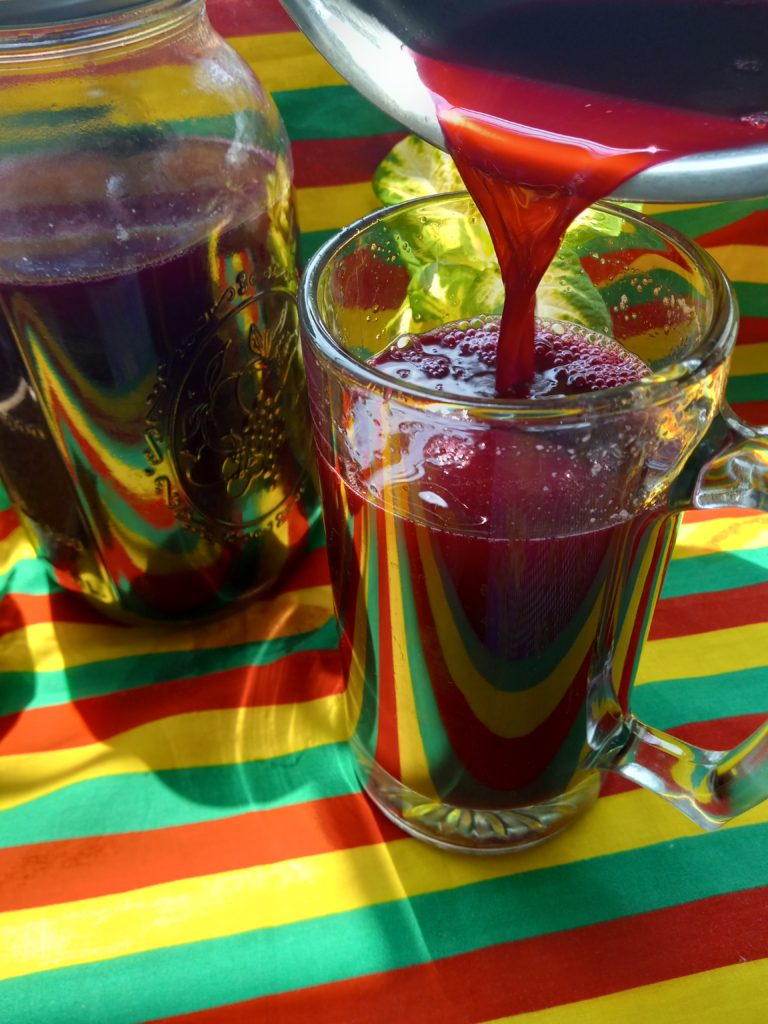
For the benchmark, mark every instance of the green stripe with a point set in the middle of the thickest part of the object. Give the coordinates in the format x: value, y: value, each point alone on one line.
x: 30, y: 137
x: 331, y: 112
x: 752, y: 387
x: 29, y: 576
x: 184, y: 796
x: 671, y: 703
x: 662, y: 538
x: 726, y: 570
x: 100, y: 678
x: 670, y: 280
x: 311, y: 242
x: 748, y: 355
x: 710, y: 218
x: 401, y: 933
x: 51, y: 117
x: 753, y: 298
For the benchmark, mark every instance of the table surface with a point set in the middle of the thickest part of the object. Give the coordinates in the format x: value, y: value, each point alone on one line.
x: 181, y: 834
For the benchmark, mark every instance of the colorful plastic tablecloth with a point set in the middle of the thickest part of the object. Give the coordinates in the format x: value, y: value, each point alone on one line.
x: 181, y: 834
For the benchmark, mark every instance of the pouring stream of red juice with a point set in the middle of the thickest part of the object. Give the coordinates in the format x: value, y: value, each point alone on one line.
x: 534, y: 153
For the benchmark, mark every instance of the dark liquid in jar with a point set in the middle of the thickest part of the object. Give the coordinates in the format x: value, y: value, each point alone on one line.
x: 157, y: 444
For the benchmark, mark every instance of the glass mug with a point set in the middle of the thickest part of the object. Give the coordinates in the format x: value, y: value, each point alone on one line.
x: 153, y: 424
x: 495, y: 563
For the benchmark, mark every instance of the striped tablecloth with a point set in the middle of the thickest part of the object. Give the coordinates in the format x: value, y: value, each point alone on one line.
x: 181, y: 835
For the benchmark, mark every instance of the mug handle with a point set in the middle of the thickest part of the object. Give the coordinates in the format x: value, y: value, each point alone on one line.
x: 728, y: 468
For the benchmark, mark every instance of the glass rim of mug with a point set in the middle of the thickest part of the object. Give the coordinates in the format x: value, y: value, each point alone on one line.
x: 711, y: 350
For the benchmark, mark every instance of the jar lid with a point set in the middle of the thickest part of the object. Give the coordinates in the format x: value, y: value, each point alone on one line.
x: 38, y: 13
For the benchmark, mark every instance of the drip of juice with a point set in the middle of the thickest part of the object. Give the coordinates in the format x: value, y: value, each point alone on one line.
x: 548, y: 106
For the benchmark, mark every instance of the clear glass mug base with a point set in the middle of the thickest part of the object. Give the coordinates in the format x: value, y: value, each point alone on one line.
x: 468, y: 830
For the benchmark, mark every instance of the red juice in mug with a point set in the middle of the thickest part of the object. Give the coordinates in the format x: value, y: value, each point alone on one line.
x: 494, y: 579
x: 492, y: 583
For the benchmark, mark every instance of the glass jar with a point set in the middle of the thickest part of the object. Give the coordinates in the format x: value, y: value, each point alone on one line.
x: 153, y: 431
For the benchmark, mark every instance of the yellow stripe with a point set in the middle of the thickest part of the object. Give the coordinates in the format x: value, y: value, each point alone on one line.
x: 648, y: 263
x: 736, y: 993
x: 44, y: 647
x: 286, y: 60
x: 726, y: 534
x: 413, y: 756
x: 746, y: 263
x: 283, y: 61
x: 705, y: 654
x: 663, y: 532
x: 193, y: 740
x: 13, y: 549
x: 229, y: 903
x: 651, y: 209
x: 138, y: 94
x: 362, y: 639
x: 330, y: 207
x: 748, y: 359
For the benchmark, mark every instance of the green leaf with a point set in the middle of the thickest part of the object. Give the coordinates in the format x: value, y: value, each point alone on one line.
x: 566, y: 293
x: 454, y: 268
x: 451, y: 289
x: 412, y: 169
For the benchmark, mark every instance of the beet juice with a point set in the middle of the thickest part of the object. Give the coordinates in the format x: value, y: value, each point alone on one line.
x: 496, y: 562
x: 151, y: 418
x: 460, y: 359
x: 486, y: 584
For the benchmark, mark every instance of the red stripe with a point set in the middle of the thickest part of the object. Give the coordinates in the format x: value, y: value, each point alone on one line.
x: 17, y: 611
x: 8, y: 522
x: 753, y: 329
x: 529, y: 975
x: 303, y: 676
x: 644, y: 318
x: 749, y: 230
x: 755, y: 413
x: 249, y: 17
x: 703, y: 613
x: 703, y: 515
x: 76, y: 869
x: 322, y: 162
x: 602, y: 271
x: 310, y: 571
x: 720, y: 733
